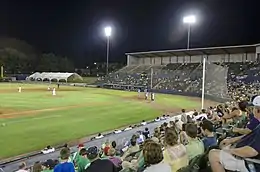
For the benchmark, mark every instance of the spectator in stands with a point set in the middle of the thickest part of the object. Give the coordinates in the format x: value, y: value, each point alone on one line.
x: 156, y: 133
x: 140, y: 138
x: 113, y: 145
x: 203, y: 115
x: 236, y: 115
x: 195, y: 146
x: 175, y: 154
x: 209, y: 138
x: 219, y: 111
x: 252, y: 124
x: 247, y: 146
x: 48, y: 165
x: 184, y: 116
x: 76, y: 156
x: 183, y: 135
x: 83, y: 161
x: 97, y: 164
x: 178, y: 123
x: 189, y: 119
x: 215, y: 117
x: 134, y: 147
x: 146, y: 133
x: 153, y: 157
x: 22, y: 168
x: 64, y: 165
x: 116, y: 161
x: 37, y: 167
x: 106, y: 147
x: 139, y: 163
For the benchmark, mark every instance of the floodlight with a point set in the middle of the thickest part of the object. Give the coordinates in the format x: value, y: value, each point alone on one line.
x: 189, y: 19
x: 108, y: 31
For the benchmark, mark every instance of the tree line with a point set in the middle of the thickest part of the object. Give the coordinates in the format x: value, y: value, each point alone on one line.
x: 19, y: 57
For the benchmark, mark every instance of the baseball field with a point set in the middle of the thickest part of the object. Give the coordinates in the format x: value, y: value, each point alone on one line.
x: 33, y: 119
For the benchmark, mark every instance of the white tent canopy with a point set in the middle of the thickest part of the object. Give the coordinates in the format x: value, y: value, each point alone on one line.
x: 53, y: 75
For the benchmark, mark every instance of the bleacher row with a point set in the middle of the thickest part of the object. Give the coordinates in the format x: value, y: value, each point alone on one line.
x: 183, y: 77
x: 221, y: 138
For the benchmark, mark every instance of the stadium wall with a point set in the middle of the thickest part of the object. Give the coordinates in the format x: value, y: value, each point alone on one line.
x: 258, y: 53
x: 134, y: 88
x: 239, y: 57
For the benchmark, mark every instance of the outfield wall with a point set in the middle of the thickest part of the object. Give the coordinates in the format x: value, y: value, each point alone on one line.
x: 134, y: 88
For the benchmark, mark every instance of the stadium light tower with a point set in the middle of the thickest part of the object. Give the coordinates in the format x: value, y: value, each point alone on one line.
x: 191, y: 19
x: 108, y: 31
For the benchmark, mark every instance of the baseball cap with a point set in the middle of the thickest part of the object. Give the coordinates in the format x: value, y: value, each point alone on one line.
x: 256, y: 101
x: 49, y: 163
x: 81, y: 145
x: 92, y: 152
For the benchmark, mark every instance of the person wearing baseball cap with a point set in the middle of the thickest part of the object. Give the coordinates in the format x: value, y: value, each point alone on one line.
x: 48, y: 165
x: 246, y: 146
x: 83, y: 161
x: 252, y: 121
x: 75, y: 157
x: 97, y: 164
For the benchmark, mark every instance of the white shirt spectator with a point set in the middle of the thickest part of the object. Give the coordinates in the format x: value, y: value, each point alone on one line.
x: 179, y: 124
x: 128, y: 128
x: 201, y: 116
x: 144, y: 123
x: 157, y: 119
x: 99, y: 137
x: 162, y: 167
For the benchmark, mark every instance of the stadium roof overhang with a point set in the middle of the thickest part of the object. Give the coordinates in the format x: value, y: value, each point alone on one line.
x: 198, y: 51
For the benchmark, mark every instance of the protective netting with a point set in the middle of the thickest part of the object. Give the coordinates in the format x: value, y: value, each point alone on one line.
x: 216, y: 80
x: 181, y: 78
x: 187, y: 78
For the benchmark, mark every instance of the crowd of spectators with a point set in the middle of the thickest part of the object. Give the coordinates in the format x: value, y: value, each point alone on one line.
x: 216, y: 139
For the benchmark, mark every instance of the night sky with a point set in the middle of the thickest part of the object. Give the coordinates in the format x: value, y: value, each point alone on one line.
x: 74, y: 28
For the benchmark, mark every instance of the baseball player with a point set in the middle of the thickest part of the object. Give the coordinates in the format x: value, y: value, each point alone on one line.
x: 146, y: 95
x: 54, y: 92
x: 139, y: 92
x: 19, y: 89
x: 152, y: 97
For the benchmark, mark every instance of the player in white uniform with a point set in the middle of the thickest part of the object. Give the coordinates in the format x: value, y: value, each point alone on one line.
x: 49, y: 88
x: 54, y: 92
x: 146, y: 95
x: 19, y: 89
x: 139, y: 92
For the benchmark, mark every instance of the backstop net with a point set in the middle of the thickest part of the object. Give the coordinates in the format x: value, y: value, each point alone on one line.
x: 187, y: 78
x: 216, y: 80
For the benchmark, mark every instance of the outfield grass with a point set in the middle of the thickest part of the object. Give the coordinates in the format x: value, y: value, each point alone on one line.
x: 33, y: 119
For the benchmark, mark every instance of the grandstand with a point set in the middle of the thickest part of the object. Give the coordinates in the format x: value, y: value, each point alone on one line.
x: 180, y: 71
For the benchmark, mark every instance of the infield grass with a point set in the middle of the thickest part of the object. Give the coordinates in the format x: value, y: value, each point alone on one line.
x: 34, y: 118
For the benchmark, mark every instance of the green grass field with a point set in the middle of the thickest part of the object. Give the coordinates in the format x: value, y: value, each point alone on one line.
x: 34, y: 118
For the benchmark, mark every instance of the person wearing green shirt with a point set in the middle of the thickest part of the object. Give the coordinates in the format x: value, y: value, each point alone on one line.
x: 75, y: 157
x: 83, y: 161
x: 195, y: 146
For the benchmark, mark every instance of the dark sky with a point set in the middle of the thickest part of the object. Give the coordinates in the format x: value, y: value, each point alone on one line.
x: 75, y: 27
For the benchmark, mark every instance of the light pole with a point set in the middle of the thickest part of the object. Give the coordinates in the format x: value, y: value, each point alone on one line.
x: 189, y: 20
x: 108, y: 31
